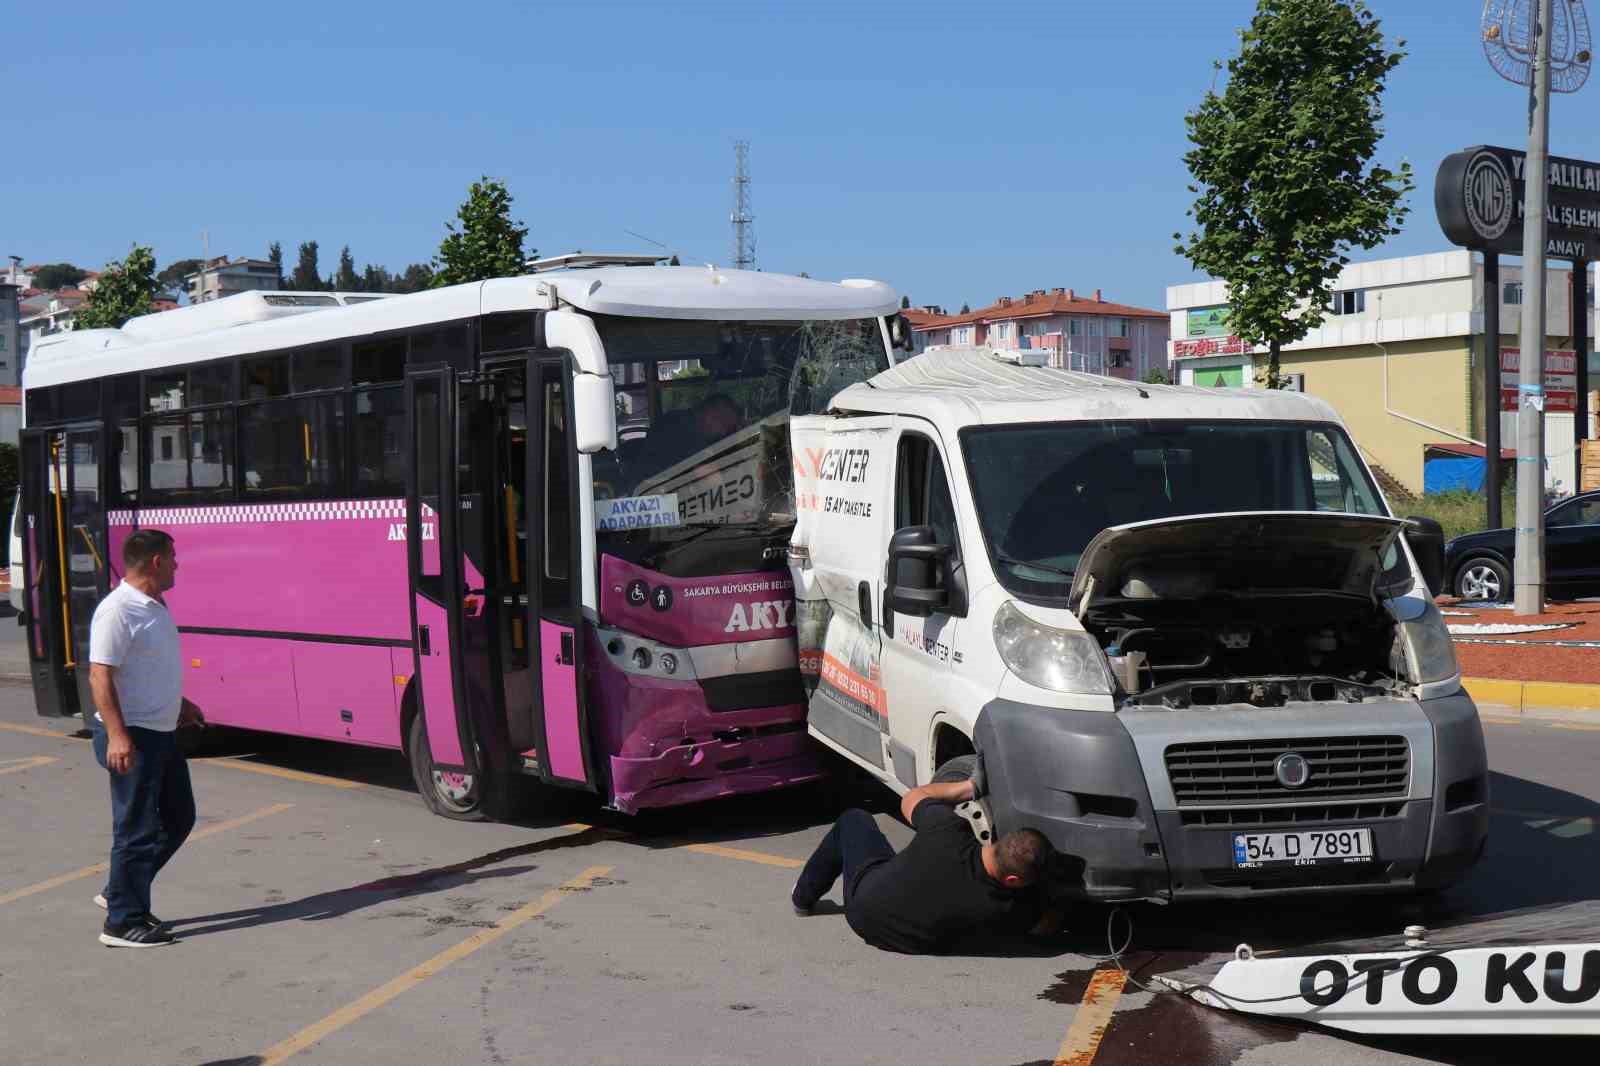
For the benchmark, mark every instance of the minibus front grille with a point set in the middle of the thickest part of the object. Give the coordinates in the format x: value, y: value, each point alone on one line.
x: 1212, y: 773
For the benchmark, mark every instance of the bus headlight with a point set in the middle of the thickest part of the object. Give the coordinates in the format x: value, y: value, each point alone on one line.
x: 1061, y: 660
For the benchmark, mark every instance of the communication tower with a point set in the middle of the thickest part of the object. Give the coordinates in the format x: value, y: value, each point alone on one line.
x: 744, y: 223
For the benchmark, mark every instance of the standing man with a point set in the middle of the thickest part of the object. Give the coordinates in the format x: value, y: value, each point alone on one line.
x: 943, y: 887
x: 136, y: 675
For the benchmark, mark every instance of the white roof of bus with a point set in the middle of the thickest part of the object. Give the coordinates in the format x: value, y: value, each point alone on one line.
x: 638, y: 291
x: 956, y: 387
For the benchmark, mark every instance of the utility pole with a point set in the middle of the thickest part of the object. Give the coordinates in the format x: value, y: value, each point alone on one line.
x: 1529, y: 578
x: 744, y: 223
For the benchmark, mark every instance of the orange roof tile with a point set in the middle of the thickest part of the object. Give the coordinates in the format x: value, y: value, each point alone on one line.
x: 1039, y: 305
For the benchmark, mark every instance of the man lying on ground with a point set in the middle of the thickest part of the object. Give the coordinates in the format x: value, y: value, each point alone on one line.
x: 944, y: 887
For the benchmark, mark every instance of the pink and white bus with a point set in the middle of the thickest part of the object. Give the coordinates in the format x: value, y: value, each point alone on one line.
x: 534, y: 526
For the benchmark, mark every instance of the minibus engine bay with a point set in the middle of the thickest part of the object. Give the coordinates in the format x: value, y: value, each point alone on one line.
x: 1253, y: 609
x: 1264, y: 652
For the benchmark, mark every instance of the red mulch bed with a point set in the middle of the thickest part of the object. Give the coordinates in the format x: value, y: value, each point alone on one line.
x: 1536, y: 656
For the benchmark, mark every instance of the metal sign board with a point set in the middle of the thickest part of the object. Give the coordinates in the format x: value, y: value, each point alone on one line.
x: 1479, y: 195
x: 1560, y: 379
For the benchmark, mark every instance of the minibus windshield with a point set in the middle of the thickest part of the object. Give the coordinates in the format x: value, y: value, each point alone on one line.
x: 1044, y: 490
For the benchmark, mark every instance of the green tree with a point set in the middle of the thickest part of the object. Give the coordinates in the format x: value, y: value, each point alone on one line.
x: 905, y: 303
x: 487, y: 243
x: 1280, y: 164
x: 1155, y: 376
x: 346, y: 279
x: 58, y: 276
x: 125, y: 290
x: 376, y: 279
x: 171, y: 277
x: 305, y: 277
x: 417, y: 276
x: 275, y: 257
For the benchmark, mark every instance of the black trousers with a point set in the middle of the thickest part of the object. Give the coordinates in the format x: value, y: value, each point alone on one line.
x: 852, y: 849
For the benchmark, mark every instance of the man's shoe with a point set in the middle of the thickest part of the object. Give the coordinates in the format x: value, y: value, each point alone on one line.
x: 148, y: 919
x: 135, y: 935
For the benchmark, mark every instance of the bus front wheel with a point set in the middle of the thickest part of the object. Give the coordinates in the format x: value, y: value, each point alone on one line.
x: 447, y: 793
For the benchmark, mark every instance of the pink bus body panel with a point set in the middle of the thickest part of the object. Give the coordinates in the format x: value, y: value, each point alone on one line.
x: 335, y: 678
x: 241, y: 681
x: 561, y: 727
x: 438, y: 692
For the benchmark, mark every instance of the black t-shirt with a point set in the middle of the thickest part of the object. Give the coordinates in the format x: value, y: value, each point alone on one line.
x: 937, y: 891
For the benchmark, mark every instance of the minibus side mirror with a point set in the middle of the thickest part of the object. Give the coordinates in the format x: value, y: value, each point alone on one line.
x: 594, y: 412
x: 1426, y: 537
x: 924, y: 576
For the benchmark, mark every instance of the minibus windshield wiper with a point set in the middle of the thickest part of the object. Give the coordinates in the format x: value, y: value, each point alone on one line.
x: 1009, y: 561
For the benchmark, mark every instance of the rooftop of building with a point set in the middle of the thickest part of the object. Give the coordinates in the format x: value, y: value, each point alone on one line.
x: 1041, y: 303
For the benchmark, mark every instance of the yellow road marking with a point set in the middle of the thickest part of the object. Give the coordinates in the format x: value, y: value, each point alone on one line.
x: 417, y: 974
x: 1574, y: 725
x: 38, y: 731
x: 765, y: 858
x: 101, y: 867
x: 277, y: 771
x: 6, y: 767
x: 1088, y: 1027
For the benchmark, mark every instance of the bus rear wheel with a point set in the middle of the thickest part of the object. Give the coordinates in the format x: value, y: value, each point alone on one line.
x: 447, y: 793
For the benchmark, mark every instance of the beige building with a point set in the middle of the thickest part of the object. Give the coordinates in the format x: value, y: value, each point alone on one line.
x: 1397, y: 357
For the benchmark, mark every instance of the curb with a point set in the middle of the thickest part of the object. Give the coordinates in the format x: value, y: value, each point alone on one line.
x: 1526, y: 696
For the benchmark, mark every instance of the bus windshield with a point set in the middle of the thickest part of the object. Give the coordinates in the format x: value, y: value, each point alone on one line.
x: 702, y: 417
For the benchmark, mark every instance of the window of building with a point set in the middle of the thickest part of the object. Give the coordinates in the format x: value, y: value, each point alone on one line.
x: 1512, y: 292
x: 292, y: 448
x: 1349, y: 302
x: 1119, y: 327
x: 1074, y: 326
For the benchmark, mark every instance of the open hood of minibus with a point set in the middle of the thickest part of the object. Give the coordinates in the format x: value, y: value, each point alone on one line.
x: 1230, y: 555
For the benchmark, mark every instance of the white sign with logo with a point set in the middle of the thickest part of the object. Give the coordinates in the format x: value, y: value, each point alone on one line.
x: 637, y: 512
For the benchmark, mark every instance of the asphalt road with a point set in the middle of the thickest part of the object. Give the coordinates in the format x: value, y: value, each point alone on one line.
x: 325, y: 916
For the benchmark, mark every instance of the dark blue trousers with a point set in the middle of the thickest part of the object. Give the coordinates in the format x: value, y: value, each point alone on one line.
x: 852, y: 848
x: 152, y: 811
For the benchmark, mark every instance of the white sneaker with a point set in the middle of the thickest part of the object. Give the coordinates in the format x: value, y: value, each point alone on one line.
x: 100, y: 900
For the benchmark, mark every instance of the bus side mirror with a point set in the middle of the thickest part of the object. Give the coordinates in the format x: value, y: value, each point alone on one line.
x: 594, y: 412
x: 1426, y: 537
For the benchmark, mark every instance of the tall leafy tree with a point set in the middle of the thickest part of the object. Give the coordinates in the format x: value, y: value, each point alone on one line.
x: 58, y: 276
x: 275, y: 257
x: 305, y: 276
x: 1282, y: 166
x: 346, y: 279
x: 486, y: 243
x: 171, y: 277
x: 125, y: 290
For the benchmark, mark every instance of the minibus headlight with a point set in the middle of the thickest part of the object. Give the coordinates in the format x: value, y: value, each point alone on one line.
x: 1061, y: 660
x: 1430, y: 650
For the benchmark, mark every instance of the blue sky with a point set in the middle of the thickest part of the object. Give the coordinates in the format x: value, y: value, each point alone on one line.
x: 956, y: 151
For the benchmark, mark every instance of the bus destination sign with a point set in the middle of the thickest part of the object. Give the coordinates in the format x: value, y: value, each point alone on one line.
x: 1479, y: 196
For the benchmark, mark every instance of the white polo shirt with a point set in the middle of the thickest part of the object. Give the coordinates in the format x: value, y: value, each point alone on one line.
x: 137, y: 635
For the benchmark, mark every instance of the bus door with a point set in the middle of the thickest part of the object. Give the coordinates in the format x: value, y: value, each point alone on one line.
x: 534, y: 588
x: 64, y: 560
x: 434, y: 562
x: 553, y: 561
